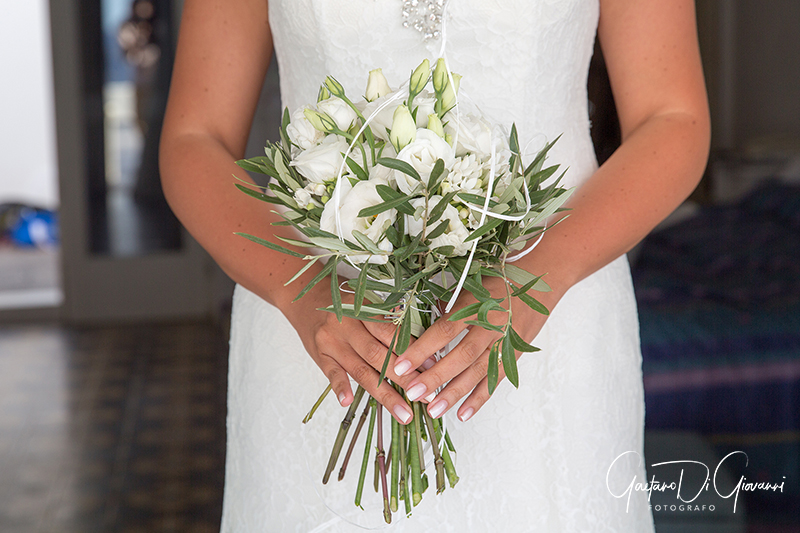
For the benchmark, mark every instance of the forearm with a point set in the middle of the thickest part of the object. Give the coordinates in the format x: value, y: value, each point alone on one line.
x: 198, y: 180
x: 655, y: 169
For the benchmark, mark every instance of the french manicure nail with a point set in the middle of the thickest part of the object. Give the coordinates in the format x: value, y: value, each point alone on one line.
x: 342, y: 397
x: 416, y: 392
x: 402, y: 367
x: 467, y: 414
x: 402, y: 414
x: 430, y: 397
x: 438, y: 408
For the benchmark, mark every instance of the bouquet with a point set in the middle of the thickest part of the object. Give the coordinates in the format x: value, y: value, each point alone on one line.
x: 424, y: 200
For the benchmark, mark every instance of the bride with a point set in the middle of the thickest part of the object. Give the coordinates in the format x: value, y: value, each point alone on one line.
x: 561, y: 453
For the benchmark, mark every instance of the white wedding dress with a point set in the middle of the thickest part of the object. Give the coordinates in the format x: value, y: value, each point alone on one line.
x: 533, y: 459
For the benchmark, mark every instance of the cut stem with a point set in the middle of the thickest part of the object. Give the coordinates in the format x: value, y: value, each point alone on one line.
x: 353, y: 440
x: 387, y: 512
x: 367, y: 447
x: 438, y: 461
x: 337, y: 445
x: 316, y: 405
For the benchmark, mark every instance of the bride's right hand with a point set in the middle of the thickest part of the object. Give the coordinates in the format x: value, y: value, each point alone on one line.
x: 351, y: 348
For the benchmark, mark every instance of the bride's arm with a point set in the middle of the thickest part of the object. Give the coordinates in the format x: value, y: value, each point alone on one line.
x: 651, y: 52
x: 223, y: 52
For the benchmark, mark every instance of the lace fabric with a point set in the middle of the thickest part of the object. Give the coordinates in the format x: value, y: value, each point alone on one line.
x: 533, y: 459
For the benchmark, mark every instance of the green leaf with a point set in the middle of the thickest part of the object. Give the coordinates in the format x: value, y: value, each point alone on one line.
x: 402, y: 166
x: 437, y: 172
x: 525, y: 288
x: 350, y: 313
x: 319, y: 277
x: 438, y: 230
x: 521, y: 276
x: 474, y: 286
x: 404, y: 336
x: 513, y: 141
x: 271, y: 245
x: 336, y: 295
x: 518, y: 343
x: 484, y: 325
x: 489, y: 305
x: 302, y: 270
x: 295, y: 242
x: 534, y: 304
x: 436, y: 213
x: 384, y: 206
x: 259, y: 195
x: 465, y: 312
x: 406, y: 251
x: 367, y: 243
x: 356, y: 169
x: 361, y: 287
x: 493, y: 371
x: 475, y: 199
x: 510, y: 362
x: 446, y: 250
x: 486, y: 228
x: 394, y: 236
x: 330, y: 244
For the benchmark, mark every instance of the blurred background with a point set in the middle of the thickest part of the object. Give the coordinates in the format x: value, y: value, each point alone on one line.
x: 113, y: 322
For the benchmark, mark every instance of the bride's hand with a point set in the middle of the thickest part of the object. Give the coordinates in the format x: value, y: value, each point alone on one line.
x: 351, y: 348
x: 465, y: 367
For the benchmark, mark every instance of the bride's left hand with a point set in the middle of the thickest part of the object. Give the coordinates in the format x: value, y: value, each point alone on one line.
x: 465, y: 367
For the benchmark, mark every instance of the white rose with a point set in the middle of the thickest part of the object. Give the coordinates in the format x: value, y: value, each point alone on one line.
x: 383, y: 120
x: 474, y: 134
x: 301, y: 132
x: 379, y: 174
x: 455, y: 234
x: 322, y: 162
x: 425, y: 105
x: 422, y: 155
x: 377, y: 85
x: 351, y: 201
x: 304, y: 199
x: 341, y: 113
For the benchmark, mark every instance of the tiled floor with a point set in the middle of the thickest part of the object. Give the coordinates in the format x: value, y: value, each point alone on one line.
x: 111, y: 429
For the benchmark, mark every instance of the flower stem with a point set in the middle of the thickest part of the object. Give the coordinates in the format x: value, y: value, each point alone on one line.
x: 415, y: 458
x: 395, y: 461
x: 316, y: 405
x: 387, y: 513
x: 438, y: 461
x: 368, y: 446
x: 449, y: 467
x: 339, y: 442
x: 350, y: 448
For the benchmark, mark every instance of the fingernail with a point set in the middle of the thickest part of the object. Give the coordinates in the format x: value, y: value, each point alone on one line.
x: 402, y: 367
x: 427, y: 363
x: 416, y: 392
x: 342, y: 397
x: 467, y: 414
x: 402, y: 414
x: 430, y: 397
x: 438, y: 408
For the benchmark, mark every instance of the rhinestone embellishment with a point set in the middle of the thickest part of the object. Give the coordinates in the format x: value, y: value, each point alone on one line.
x: 425, y: 16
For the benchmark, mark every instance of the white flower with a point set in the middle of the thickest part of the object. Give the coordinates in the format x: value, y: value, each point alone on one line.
x: 455, y: 234
x: 465, y: 175
x: 352, y: 199
x: 404, y: 130
x: 301, y: 132
x: 425, y: 104
x: 419, y: 78
x: 377, y: 85
x: 382, y: 120
x: 474, y: 134
x: 341, y: 113
x: 322, y: 162
x: 304, y: 198
x: 422, y: 155
x: 379, y: 174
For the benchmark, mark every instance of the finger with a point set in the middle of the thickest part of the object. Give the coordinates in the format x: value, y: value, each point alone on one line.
x: 340, y: 382
x: 375, y: 352
x: 471, y: 347
x: 431, y: 341
x: 367, y: 377
x: 460, y: 386
x: 383, y: 331
x: 480, y: 395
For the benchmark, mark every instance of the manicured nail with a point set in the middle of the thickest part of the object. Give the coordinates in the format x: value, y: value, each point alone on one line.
x: 402, y: 367
x: 430, y: 397
x: 427, y: 363
x: 467, y: 414
x: 416, y: 392
x: 402, y: 414
x: 342, y: 397
x: 438, y: 408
